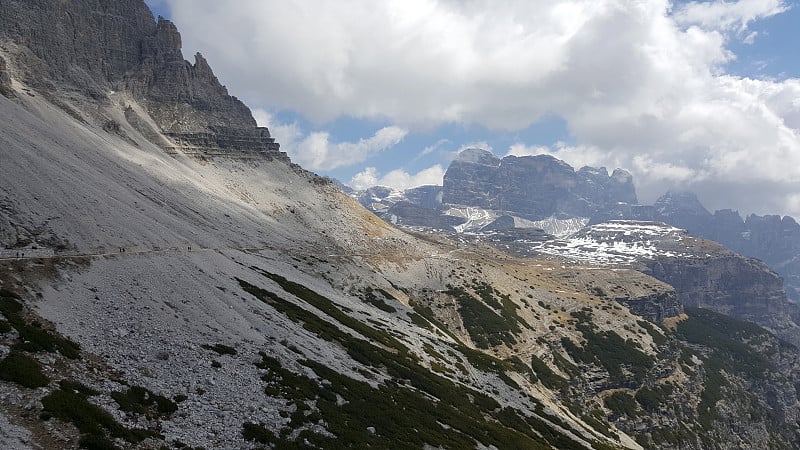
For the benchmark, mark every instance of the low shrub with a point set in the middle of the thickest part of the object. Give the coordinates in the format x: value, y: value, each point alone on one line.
x: 88, y: 418
x: 23, y: 370
x: 220, y: 349
x: 621, y: 403
x: 142, y: 401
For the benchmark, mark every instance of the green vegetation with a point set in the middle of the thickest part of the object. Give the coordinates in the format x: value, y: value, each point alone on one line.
x: 258, y: 433
x: 284, y: 383
x: 425, y: 318
x: 428, y: 348
x: 5, y: 293
x: 142, y: 401
x: 96, y: 442
x: 380, y: 303
x: 598, y: 291
x: 95, y: 424
x: 506, y: 307
x: 544, y: 374
x: 728, y: 340
x: 485, y: 327
x: 23, y: 370
x: 33, y: 338
x: 652, y: 398
x: 658, y: 338
x: 489, y: 364
x: 621, y: 403
x: 5, y: 327
x: 415, y: 408
x: 608, y: 350
x: 78, y: 388
x: 220, y: 349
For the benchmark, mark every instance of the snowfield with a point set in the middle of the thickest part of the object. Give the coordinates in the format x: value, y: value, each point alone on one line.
x: 617, y: 242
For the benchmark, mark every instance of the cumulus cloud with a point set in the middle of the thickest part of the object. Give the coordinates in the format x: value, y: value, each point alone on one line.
x: 315, y: 151
x: 640, y: 85
x: 727, y: 15
x: 398, y: 178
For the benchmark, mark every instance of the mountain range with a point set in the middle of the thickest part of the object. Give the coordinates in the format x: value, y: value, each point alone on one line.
x: 519, y: 195
x: 170, y: 279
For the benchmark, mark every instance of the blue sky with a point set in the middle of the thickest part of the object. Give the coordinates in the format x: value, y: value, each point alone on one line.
x: 685, y: 95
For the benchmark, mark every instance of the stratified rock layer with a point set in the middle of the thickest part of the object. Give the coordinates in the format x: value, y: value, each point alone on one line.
x: 92, y: 49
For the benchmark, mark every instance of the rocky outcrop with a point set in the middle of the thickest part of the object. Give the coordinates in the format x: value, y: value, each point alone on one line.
x: 409, y: 214
x: 425, y: 196
x: 732, y: 285
x: 704, y: 273
x: 683, y: 210
x: 470, y: 179
x: 533, y: 187
x: 772, y: 239
x: 183, y: 97
x: 82, y: 45
x: 654, y: 307
x: 92, y: 48
x: 221, y: 141
x: 5, y: 79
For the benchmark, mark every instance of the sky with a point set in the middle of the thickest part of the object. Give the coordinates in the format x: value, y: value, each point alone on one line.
x: 701, y: 96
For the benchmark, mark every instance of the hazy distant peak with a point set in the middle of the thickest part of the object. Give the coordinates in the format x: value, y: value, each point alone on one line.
x: 478, y: 156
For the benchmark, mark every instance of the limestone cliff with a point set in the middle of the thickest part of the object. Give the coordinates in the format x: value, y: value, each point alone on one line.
x: 87, y: 51
x: 704, y: 273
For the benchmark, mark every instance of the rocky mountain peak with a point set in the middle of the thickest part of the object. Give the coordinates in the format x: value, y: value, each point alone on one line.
x: 82, y: 52
x: 533, y: 187
x: 478, y: 156
x: 681, y: 200
x: 167, y: 35
x: 594, y: 171
x: 622, y: 176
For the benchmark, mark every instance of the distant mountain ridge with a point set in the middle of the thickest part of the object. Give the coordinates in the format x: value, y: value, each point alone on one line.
x: 543, y: 187
x: 533, y: 187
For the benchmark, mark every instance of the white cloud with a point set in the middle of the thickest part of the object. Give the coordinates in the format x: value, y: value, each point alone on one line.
x: 726, y: 15
x: 750, y: 39
x: 315, y: 151
x: 639, y: 85
x: 365, y: 179
x: 398, y: 178
x: 436, y: 146
x: 318, y: 153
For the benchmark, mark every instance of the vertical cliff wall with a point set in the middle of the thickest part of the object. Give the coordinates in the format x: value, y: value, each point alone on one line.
x: 91, y: 49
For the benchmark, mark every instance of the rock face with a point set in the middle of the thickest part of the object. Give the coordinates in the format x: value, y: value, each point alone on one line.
x: 5, y: 79
x: 703, y: 273
x: 94, y: 48
x: 655, y: 307
x: 406, y: 213
x: 425, y: 196
x: 772, y: 239
x: 730, y: 284
x: 533, y: 187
